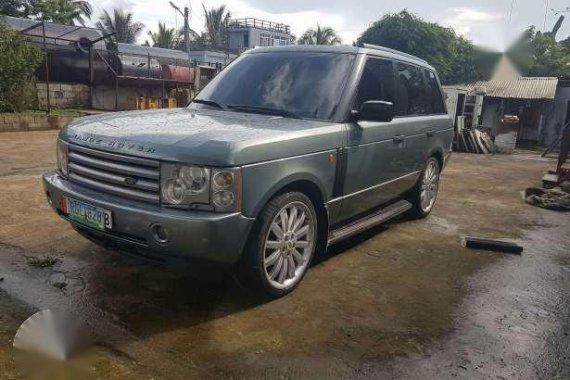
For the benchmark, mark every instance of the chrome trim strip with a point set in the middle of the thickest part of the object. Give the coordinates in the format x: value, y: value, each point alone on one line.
x: 416, y: 173
x: 130, y: 193
x: 113, y: 166
x: 115, y: 157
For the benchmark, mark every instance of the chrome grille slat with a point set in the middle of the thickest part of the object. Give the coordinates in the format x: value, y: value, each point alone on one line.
x: 126, y: 176
x: 117, y: 190
x: 116, y: 179
x: 116, y: 157
x: 112, y: 166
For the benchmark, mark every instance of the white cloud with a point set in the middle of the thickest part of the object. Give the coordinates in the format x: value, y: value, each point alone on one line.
x: 479, y: 26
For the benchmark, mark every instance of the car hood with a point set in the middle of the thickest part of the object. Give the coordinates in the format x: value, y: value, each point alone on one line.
x: 203, y: 137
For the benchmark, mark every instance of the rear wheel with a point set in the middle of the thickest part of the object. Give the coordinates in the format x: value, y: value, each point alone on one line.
x: 282, y: 245
x: 424, y: 194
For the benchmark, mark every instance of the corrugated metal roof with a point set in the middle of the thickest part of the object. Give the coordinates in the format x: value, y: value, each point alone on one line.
x: 517, y: 88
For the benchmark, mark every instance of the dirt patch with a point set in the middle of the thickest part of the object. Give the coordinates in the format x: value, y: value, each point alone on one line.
x: 390, y: 292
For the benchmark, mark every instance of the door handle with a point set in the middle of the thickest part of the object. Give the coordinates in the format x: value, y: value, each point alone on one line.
x: 398, y: 139
x: 430, y: 132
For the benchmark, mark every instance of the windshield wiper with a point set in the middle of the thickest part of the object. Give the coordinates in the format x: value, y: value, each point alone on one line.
x: 209, y: 103
x: 264, y: 110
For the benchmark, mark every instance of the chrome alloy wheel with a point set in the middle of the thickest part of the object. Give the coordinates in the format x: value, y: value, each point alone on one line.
x: 289, y: 245
x: 429, y: 187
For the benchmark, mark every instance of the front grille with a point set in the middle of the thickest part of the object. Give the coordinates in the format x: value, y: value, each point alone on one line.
x: 125, y: 176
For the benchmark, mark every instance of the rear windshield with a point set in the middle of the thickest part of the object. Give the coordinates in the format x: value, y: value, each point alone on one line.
x: 307, y: 84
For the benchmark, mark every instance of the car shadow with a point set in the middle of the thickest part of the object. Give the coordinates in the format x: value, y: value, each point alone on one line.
x: 151, y: 300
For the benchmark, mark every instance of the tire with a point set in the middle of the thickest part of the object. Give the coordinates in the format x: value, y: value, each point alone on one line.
x: 276, y: 258
x: 424, y: 194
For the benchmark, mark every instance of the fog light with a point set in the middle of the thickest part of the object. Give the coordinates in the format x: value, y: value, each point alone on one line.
x: 159, y: 233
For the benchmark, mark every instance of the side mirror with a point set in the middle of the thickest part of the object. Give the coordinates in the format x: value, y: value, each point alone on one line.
x: 374, y: 110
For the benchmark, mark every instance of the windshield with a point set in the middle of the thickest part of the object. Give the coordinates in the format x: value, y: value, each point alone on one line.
x: 294, y: 84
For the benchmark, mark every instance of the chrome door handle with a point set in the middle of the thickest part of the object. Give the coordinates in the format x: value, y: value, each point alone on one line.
x: 398, y: 139
x: 430, y: 132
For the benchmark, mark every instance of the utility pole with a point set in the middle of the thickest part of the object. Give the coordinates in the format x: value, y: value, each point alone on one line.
x: 186, y: 16
x: 187, y: 30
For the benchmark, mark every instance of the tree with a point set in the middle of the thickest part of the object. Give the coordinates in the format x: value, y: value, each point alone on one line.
x: 216, y: 21
x: 18, y: 62
x: 14, y: 8
x: 539, y: 54
x: 454, y: 57
x: 320, y: 36
x: 164, y: 38
x: 61, y: 11
x: 121, y: 24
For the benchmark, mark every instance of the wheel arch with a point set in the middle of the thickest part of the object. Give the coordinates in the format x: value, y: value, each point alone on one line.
x: 437, y: 153
x: 314, y: 190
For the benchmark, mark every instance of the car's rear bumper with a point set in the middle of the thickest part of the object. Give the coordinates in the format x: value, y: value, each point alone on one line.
x: 191, y: 234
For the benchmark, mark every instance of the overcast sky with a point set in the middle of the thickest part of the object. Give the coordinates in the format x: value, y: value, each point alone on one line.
x: 489, y: 23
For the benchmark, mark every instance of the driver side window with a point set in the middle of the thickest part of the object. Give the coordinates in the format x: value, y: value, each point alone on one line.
x: 377, y: 82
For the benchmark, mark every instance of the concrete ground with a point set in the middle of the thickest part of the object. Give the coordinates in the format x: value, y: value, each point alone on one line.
x: 404, y: 300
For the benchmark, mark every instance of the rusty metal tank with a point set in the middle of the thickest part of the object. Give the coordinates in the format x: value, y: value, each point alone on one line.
x: 139, y: 66
x: 178, y: 73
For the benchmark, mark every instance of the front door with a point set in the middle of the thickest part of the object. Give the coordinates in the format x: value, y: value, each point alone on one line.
x: 375, y: 159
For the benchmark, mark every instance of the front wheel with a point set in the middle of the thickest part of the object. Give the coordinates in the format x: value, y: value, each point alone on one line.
x: 424, y: 194
x: 282, y: 245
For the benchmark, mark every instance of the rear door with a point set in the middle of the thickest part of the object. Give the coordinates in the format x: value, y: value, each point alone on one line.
x: 421, y: 113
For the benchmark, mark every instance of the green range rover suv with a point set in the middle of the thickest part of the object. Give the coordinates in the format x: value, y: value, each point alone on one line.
x: 287, y: 151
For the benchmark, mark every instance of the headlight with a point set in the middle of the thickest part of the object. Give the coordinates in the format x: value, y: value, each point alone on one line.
x: 62, y: 160
x: 226, y: 189
x: 184, y: 185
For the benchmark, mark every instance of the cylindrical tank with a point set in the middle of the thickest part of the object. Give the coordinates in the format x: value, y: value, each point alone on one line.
x: 139, y: 66
x: 73, y: 66
x: 178, y: 73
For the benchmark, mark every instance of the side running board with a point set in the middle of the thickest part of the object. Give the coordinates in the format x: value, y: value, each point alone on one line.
x: 368, y: 221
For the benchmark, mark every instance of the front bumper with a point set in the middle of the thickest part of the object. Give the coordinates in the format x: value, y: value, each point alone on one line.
x: 191, y: 234
x: 446, y: 160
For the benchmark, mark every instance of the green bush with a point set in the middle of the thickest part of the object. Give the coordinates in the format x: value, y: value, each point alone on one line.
x: 18, y: 62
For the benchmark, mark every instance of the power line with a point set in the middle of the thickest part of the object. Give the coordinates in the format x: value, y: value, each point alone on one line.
x: 545, y: 15
x: 511, y: 11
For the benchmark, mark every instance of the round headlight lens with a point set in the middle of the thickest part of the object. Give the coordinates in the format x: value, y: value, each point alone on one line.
x: 174, y: 191
x: 223, y: 179
x: 223, y: 198
x: 195, y: 178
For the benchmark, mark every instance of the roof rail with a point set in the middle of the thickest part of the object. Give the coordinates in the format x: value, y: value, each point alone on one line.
x: 394, y: 51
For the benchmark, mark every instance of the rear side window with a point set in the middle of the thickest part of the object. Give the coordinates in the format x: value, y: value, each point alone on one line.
x: 434, y: 93
x: 413, y: 94
x: 377, y: 82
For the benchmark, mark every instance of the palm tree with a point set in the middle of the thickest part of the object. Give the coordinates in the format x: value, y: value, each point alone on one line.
x: 164, y: 38
x: 121, y: 24
x: 77, y: 9
x: 62, y: 11
x: 180, y: 43
x: 320, y: 36
x: 216, y: 20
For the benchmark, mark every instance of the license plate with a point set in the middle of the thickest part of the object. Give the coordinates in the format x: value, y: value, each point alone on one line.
x: 88, y: 215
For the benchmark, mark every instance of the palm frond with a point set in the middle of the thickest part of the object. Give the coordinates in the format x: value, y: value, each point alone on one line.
x: 319, y: 36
